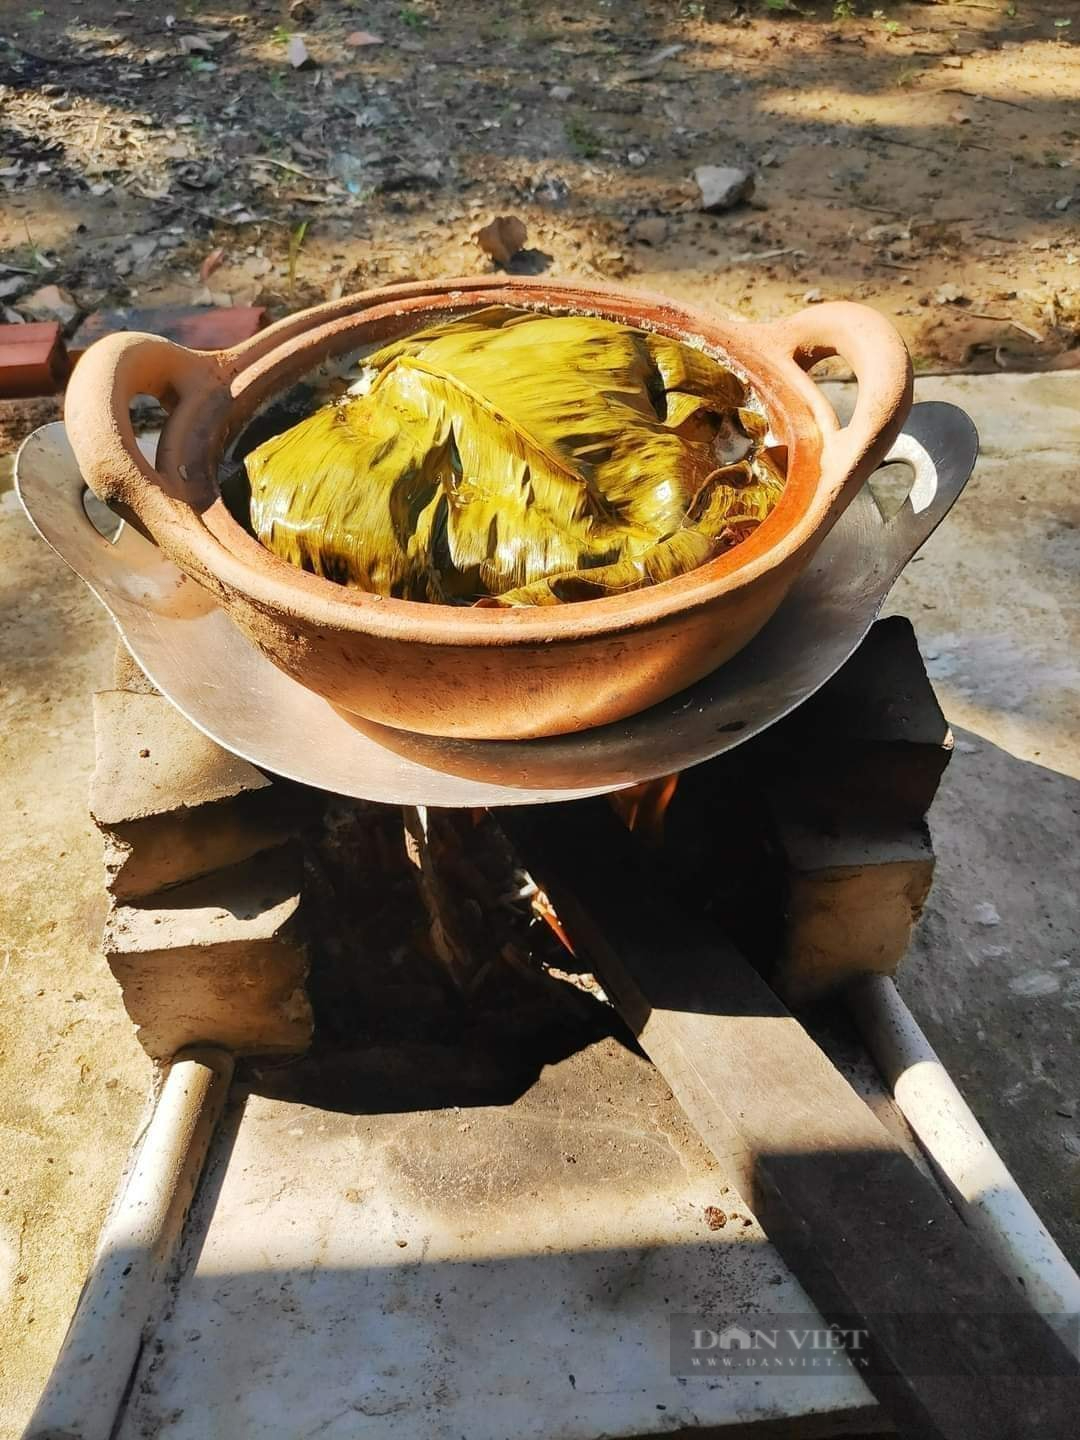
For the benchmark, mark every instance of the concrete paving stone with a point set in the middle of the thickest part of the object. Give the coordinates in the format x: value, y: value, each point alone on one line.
x: 128, y: 674
x: 151, y: 761
x: 852, y: 898
x: 220, y: 960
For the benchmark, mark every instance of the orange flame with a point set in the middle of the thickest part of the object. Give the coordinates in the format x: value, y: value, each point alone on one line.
x: 642, y: 807
x: 543, y: 907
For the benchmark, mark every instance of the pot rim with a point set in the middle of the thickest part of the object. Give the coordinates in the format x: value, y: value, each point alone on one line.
x: 230, y: 386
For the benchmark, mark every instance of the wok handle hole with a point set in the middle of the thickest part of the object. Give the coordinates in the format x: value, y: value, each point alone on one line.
x: 835, y: 370
x: 148, y: 412
x: 104, y: 520
x: 890, y: 486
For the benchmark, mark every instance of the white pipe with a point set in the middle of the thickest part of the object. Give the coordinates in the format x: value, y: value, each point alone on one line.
x: 960, y: 1151
x: 138, y: 1241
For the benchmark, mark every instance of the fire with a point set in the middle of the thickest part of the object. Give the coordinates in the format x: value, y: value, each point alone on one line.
x: 642, y: 807
x: 543, y: 907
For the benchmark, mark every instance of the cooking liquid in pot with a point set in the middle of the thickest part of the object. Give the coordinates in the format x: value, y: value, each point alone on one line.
x: 509, y: 458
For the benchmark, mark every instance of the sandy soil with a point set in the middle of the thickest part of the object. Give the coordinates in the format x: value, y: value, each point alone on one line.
x: 73, y: 1080
x: 918, y: 156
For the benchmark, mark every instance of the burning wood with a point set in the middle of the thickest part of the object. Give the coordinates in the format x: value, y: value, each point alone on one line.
x: 449, y: 929
x: 484, y: 913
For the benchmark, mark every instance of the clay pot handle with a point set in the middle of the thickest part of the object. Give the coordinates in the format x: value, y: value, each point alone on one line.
x: 882, y: 366
x: 97, y: 408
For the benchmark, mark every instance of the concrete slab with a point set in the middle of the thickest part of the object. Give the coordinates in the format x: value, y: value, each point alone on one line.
x: 487, y: 1271
x: 993, y: 974
x: 995, y: 593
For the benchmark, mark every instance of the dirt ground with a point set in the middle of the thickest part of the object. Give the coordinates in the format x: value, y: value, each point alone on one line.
x: 920, y: 157
x: 73, y: 1080
x: 917, y: 156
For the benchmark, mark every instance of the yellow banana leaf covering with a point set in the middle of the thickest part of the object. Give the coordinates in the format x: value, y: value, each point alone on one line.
x: 513, y: 458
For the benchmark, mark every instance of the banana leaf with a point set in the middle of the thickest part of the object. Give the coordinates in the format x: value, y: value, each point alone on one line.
x: 512, y: 458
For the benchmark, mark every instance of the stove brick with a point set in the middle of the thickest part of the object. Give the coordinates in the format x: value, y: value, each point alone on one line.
x: 147, y: 857
x: 128, y: 674
x: 152, y: 761
x: 220, y: 960
x: 173, y: 805
x: 872, y: 742
x: 852, y: 895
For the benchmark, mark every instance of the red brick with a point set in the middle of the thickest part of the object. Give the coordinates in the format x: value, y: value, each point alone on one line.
x: 33, y: 360
x: 199, y: 327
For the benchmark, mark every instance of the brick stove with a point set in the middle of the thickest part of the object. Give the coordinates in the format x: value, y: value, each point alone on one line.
x: 204, y: 863
x: 469, y: 1204
x: 419, y: 1169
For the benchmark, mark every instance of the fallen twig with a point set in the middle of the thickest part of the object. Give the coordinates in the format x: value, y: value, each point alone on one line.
x: 1015, y: 325
x: 766, y: 254
x: 284, y: 165
x: 974, y: 95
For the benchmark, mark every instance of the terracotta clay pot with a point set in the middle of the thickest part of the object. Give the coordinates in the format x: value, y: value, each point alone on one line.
x: 482, y: 673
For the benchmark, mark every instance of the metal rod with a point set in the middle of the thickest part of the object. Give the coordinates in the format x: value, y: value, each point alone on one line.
x: 974, y: 1174
x: 138, y: 1241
